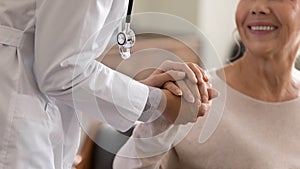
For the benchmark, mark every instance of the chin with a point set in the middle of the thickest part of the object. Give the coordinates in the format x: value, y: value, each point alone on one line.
x: 262, y: 48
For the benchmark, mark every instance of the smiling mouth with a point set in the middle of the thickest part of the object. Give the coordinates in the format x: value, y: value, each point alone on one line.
x: 262, y: 28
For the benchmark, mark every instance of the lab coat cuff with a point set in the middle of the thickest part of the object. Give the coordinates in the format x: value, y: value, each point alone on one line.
x: 138, y: 98
x: 151, y: 111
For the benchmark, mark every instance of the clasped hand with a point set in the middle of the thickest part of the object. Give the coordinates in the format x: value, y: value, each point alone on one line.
x: 186, y: 88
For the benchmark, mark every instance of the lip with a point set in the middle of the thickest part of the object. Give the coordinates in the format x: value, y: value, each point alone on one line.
x: 261, y: 27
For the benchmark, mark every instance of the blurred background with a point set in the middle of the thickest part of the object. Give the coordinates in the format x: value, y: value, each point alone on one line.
x: 214, y: 18
x: 176, y: 36
x: 165, y: 29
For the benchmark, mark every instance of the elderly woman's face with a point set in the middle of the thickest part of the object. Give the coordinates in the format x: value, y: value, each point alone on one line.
x: 269, y: 25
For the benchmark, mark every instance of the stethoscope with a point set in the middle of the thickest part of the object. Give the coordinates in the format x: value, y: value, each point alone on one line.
x: 126, y: 37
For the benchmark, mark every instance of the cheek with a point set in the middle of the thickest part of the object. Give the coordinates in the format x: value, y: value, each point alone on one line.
x: 238, y: 19
x: 292, y: 23
x: 240, y: 14
x: 296, y: 20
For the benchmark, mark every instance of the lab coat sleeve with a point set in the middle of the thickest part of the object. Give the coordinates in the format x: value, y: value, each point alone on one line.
x: 69, y: 36
x: 147, y: 146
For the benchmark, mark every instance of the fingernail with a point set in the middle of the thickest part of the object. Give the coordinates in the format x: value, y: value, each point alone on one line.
x: 206, y: 78
x: 204, y: 99
x: 216, y: 93
x: 179, y: 92
x: 206, y: 74
x: 205, y: 107
x: 191, y: 99
x: 198, y: 102
x: 195, y: 79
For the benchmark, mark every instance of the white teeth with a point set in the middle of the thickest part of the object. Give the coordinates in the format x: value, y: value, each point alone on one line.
x: 262, y: 28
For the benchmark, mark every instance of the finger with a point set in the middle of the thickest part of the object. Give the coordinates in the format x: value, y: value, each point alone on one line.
x: 175, y: 75
x: 159, y: 79
x: 203, y: 91
x: 203, y: 73
x: 212, y: 93
x: 197, y: 71
x: 158, y: 71
x: 209, y: 85
x: 170, y: 65
x: 204, y: 108
x: 170, y: 75
x: 186, y: 93
x: 193, y: 88
x: 202, y: 79
x: 173, y: 88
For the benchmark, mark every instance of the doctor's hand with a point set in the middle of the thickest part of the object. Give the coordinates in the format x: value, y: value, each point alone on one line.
x: 185, y: 79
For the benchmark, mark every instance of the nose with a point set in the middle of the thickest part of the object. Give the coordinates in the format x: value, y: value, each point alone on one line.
x: 260, y: 8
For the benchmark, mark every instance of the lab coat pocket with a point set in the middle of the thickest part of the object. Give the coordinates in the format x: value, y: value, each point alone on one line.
x: 29, y: 108
x: 30, y: 143
x: 54, y: 122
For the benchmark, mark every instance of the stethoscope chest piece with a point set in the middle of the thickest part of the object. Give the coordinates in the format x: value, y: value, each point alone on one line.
x: 126, y: 40
x: 126, y: 37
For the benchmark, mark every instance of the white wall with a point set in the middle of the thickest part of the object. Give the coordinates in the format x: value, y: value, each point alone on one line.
x: 215, y: 18
x: 185, y: 9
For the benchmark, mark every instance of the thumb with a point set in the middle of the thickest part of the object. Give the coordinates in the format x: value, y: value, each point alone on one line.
x: 175, y: 75
x: 168, y: 76
x: 212, y: 93
x: 159, y: 79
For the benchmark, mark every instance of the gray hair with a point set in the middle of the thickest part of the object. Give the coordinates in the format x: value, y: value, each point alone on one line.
x: 297, y: 64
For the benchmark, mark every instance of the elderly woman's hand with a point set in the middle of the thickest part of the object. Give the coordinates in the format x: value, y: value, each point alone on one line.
x: 187, y: 80
x: 179, y: 111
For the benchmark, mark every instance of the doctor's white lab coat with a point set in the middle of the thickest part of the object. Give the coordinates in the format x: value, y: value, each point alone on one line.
x: 48, y: 73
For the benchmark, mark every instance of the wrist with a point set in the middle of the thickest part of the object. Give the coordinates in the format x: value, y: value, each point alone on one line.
x: 170, y: 106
